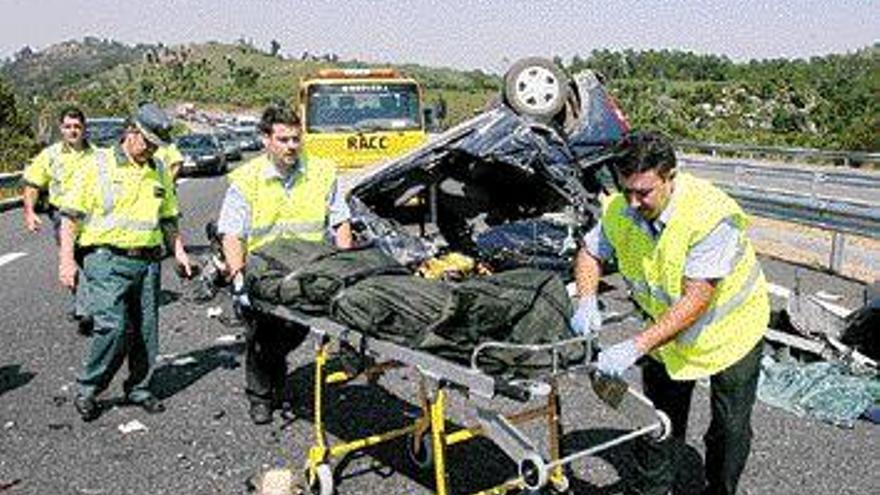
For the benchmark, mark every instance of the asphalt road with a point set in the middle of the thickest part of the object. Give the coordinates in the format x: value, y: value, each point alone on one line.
x: 204, y: 443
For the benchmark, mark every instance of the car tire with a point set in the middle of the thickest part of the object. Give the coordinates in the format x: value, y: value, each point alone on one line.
x: 536, y: 87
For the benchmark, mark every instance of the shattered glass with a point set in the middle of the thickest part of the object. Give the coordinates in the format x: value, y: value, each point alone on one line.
x: 827, y: 391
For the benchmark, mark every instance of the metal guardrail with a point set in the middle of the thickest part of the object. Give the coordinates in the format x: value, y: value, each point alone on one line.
x: 847, y: 217
x: 805, y: 199
x: 846, y: 157
x: 838, y: 216
x: 8, y: 181
x: 815, y: 177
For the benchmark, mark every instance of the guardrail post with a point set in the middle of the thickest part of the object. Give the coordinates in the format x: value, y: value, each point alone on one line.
x: 737, y: 173
x: 837, y: 243
x: 818, y: 179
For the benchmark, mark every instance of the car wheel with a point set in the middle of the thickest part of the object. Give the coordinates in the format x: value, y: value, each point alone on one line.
x: 536, y: 87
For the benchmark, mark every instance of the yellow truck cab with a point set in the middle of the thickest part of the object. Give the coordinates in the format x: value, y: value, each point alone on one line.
x: 359, y: 117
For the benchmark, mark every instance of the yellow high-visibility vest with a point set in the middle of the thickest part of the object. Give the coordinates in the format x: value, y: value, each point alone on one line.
x: 299, y: 213
x: 54, y: 169
x: 739, y: 312
x: 122, y: 203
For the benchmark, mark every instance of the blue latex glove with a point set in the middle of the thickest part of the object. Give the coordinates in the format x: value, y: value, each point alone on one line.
x: 587, y: 319
x: 618, y: 358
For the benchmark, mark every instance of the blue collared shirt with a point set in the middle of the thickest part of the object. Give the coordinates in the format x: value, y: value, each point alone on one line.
x: 710, y: 259
x: 235, y: 214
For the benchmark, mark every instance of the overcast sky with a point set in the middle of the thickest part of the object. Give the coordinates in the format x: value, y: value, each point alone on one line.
x: 484, y: 35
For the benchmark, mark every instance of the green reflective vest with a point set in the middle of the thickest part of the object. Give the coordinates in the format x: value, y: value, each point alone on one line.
x: 299, y: 213
x: 654, y: 270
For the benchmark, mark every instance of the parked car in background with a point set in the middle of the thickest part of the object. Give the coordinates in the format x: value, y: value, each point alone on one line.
x: 104, y: 131
x: 202, y: 153
x: 231, y: 146
x: 248, y: 138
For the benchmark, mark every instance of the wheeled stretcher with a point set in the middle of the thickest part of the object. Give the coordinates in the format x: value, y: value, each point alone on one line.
x: 428, y: 437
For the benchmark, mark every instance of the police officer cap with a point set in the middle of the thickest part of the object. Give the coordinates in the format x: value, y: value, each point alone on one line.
x: 153, y: 124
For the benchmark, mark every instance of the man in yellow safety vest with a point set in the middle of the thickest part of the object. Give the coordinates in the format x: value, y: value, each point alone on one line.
x: 51, y: 172
x: 124, y: 207
x: 681, y: 246
x: 279, y: 194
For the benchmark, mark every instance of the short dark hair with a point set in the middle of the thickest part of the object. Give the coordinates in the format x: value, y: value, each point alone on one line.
x: 71, y: 112
x: 640, y: 151
x: 276, y: 114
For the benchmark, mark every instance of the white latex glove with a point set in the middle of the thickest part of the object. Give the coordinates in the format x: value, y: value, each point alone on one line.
x: 618, y: 358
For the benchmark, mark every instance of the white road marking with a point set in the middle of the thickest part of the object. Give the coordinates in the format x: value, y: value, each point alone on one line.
x: 778, y: 290
x: 10, y: 257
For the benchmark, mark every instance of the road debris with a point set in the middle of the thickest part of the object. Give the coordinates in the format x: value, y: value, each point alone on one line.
x: 132, y: 426
x: 828, y: 296
x: 184, y: 361
x: 229, y: 339
x: 276, y: 482
x: 5, y: 485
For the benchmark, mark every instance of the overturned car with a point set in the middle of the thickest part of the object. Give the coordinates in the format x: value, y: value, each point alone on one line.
x: 512, y: 186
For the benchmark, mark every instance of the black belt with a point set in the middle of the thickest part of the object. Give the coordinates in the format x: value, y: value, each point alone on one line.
x: 152, y: 253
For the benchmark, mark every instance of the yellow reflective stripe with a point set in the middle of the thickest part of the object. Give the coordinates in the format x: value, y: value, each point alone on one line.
x: 717, y: 313
x: 283, y: 228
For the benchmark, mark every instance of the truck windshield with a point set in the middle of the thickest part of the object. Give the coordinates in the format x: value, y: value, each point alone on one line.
x: 362, y: 106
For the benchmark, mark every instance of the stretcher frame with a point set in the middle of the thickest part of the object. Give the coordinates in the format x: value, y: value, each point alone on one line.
x: 428, y: 436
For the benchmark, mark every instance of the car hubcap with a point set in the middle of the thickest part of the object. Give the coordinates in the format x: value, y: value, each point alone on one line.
x: 537, y: 88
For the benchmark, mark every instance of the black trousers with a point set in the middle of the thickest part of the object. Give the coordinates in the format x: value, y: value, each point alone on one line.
x: 728, y: 439
x: 268, y: 341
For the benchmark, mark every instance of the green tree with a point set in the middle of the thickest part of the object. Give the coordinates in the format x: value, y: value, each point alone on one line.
x: 17, y: 142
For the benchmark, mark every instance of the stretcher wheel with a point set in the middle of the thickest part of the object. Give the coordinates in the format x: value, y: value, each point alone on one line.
x: 665, y: 427
x: 533, y: 472
x: 322, y: 483
x: 421, y: 453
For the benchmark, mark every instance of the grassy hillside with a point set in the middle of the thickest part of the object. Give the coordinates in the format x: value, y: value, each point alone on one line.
x: 826, y: 102
x: 242, y: 77
x: 64, y: 64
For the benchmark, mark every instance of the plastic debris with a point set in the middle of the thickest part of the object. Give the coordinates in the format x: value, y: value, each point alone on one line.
x: 277, y: 482
x: 132, y: 426
x: 214, y: 312
x: 5, y: 485
x: 227, y: 339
